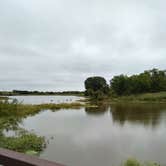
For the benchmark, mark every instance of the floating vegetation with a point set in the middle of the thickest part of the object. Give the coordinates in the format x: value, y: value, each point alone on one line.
x: 23, y: 142
x: 134, y: 162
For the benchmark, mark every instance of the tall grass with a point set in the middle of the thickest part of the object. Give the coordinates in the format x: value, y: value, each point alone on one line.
x: 18, y: 109
x: 147, y: 97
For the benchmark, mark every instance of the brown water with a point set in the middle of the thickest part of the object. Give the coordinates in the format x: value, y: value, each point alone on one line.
x: 102, y: 137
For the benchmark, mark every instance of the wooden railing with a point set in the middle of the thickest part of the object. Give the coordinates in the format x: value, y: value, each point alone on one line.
x: 11, y: 158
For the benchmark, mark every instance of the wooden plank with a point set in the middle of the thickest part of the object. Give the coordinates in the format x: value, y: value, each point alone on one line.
x: 11, y: 158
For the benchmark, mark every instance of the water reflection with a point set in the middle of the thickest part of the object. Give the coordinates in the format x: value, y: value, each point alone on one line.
x: 97, y: 111
x: 121, y: 113
x: 146, y: 114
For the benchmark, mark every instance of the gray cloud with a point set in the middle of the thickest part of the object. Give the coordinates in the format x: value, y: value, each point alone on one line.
x: 56, y: 44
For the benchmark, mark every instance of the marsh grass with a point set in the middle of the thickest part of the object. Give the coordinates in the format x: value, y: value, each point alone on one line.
x: 10, y: 117
x: 18, y: 109
x: 147, y: 97
x: 75, y: 105
x: 23, y: 142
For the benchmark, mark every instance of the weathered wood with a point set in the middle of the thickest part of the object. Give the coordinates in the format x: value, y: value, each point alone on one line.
x: 11, y: 158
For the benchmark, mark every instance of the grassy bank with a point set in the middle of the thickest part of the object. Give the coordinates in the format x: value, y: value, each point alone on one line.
x: 26, y: 109
x: 147, y: 97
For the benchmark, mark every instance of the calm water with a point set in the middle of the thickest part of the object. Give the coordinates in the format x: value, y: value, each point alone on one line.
x: 45, y: 99
x: 104, y: 136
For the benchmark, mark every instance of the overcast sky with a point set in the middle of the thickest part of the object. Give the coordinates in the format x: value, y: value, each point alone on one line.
x: 57, y: 44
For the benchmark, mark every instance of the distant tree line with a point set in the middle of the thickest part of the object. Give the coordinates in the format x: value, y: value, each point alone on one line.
x: 24, y: 92
x: 149, y: 81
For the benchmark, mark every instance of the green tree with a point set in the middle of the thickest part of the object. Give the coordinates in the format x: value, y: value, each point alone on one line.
x: 158, y: 78
x: 120, y: 84
x: 96, y: 87
x: 149, y: 81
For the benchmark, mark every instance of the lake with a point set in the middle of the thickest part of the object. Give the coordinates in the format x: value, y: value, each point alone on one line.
x: 45, y: 99
x: 104, y: 136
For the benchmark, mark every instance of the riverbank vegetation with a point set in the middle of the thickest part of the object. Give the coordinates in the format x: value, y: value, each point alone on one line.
x: 7, y: 108
x: 11, y: 114
x: 23, y: 142
x: 150, y: 81
x: 149, y: 86
x: 158, y: 97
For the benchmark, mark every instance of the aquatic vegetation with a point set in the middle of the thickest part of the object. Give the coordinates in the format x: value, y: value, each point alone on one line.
x: 18, y: 109
x: 31, y: 152
x: 23, y: 142
x: 60, y: 106
x: 134, y: 162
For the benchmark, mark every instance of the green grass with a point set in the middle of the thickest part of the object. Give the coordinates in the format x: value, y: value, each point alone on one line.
x: 23, y: 142
x: 134, y: 162
x: 8, y: 109
x: 147, y: 97
x: 75, y: 105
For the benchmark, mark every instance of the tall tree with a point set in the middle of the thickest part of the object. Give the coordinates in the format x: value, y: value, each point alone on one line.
x: 96, y: 86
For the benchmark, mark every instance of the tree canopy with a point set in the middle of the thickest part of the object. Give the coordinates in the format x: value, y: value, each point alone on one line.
x: 149, y: 81
x: 96, y: 87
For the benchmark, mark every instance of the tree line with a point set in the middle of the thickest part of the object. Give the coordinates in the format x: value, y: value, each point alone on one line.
x: 25, y: 92
x: 149, y: 81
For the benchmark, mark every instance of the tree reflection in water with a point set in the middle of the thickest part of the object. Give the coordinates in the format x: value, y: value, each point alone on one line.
x: 97, y: 111
x: 146, y: 114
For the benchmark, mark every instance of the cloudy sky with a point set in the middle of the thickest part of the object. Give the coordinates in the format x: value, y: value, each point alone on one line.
x: 57, y: 44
